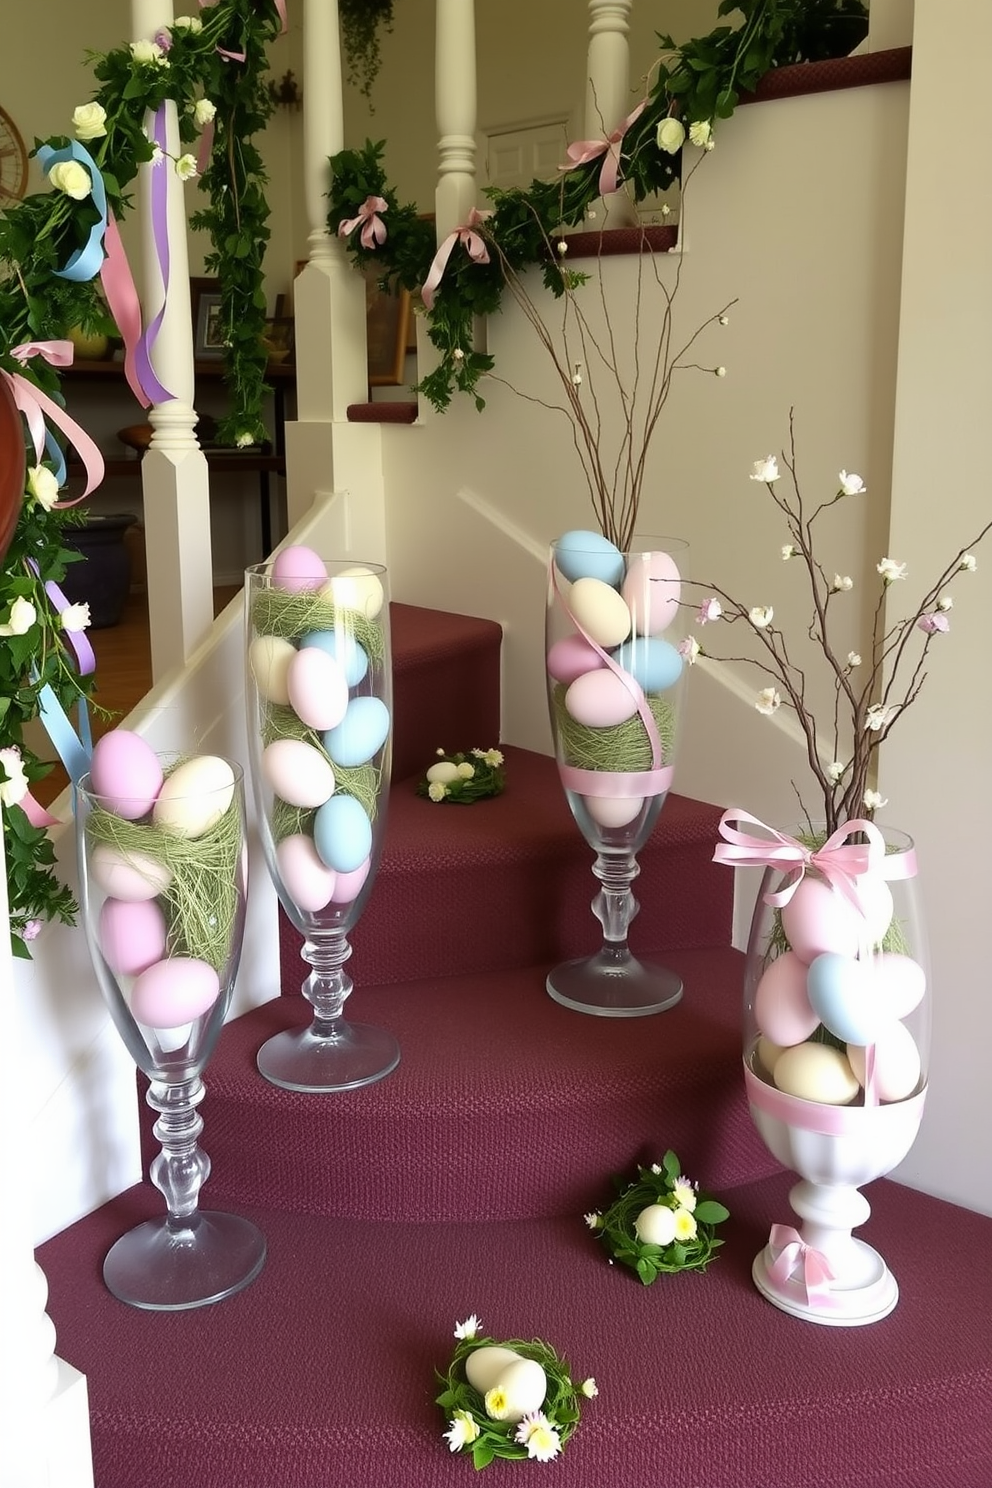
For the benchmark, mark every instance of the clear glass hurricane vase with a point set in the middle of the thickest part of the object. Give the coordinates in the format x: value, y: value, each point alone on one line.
x: 320, y: 728
x: 836, y: 1041
x: 616, y: 684
x: 162, y: 891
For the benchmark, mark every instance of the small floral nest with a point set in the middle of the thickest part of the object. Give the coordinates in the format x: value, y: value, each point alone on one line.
x: 674, y: 1218
x: 478, y: 1426
x: 460, y: 779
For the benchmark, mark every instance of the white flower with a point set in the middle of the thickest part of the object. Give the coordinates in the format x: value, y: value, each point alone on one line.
x: 72, y: 178
x: 592, y: 1220
x: 43, y: 486
x: 788, y: 551
x: 186, y: 167
x: 685, y: 1225
x: 891, y: 570
x: 22, y: 616
x: 577, y: 375
x: 873, y: 800
x: 851, y: 485
x: 463, y: 1431
x: 768, y: 701
x: 765, y: 470
x: 469, y: 1328
x: 537, y: 1434
x: 877, y: 717
x: 670, y: 136
x: 466, y: 771
x: 148, y: 52
x: 761, y: 616
x: 458, y: 354
x: 15, y: 787
x: 89, y: 121
x: 75, y: 617
x: 158, y: 155
x: 204, y: 111
x: 710, y: 144
x: 562, y: 247
x: 656, y: 1168
x: 853, y: 659
x: 689, y: 649
x: 945, y: 602
x: 720, y: 371
x: 244, y: 440
x: 700, y: 132
x: 835, y: 771
x: 842, y: 584
x: 589, y: 1388
x: 192, y: 24
x: 437, y: 790
x: 710, y: 609
x: 493, y: 757
x: 666, y: 210
x: 968, y: 563
x: 684, y: 1194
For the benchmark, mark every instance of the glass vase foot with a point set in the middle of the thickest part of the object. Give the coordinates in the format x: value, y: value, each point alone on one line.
x: 345, y: 1057
x: 614, y: 985
x: 168, y: 1266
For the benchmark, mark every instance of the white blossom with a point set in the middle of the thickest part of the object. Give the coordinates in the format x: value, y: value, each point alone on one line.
x: 22, y: 616
x: 75, y: 618
x: 561, y: 247
x: 853, y: 658
x: 851, y: 484
x: 469, y: 1328
x: 148, y: 52
x: 720, y: 371
x: 700, y: 132
x: 765, y: 470
x: 789, y: 551
x: 72, y: 178
x: 689, y: 648
x: 968, y: 563
x: 761, y: 616
x: 204, y: 111
x: 15, y: 787
x: 89, y: 121
x: 842, y: 584
x: 589, y: 1388
x: 192, y: 24
x: 835, y: 771
x: 43, y: 486
x: 670, y: 135
x: 592, y: 1220
x: 768, y: 701
x: 877, y: 717
x: 186, y: 168
x: 873, y: 800
x: 891, y: 570
x: 945, y: 602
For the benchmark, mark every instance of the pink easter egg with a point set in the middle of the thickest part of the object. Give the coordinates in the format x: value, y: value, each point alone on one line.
x: 317, y: 687
x: 897, y: 1063
x: 348, y: 886
x: 125, y: 773
x: 819, y: 919
x: 128, y: 875
x: 297, y: 568
x: 900, y: 982
x: 570, y: 657
x: 781, y: 1005
x: 600, y: 699
x: 174, y: 992
x: 308, y: 882
x: 652, y: 589
x: 132, y: 935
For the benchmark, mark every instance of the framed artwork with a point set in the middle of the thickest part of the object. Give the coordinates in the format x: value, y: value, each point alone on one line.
x: 387, y: 320
x: 208, y: 333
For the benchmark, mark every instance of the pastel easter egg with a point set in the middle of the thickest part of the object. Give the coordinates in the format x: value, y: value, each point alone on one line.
x: 348, y: 886
x: 132, y: 935
x: 356, y: 589
x: 600, y: 700
x: 843, y: 994
x: 174, y: 991
x: 195, y: 796
x: 297, y: 568
x: 269, y: 657
x: 600, y: 612
x: 782, y: 1008
x: 306, y: 879
x: 653, y: 664
x: 342, y: 833
x: 897, y: 1063
x: 570, y: 657
x: 818, y: 919
x: 125, y: 773
x: 361, y: 733
x: 523, y: 1385
x: 129, y: 875
x: 297, y: 772
x: 318, y: 688
x: 767, y: 1054
x: 900, y: 982
x: 613, y: 811
x: 875, y: 900
x: 349, y: 655
x: 652, y: 589
x: 483, y: 1366
x: 655, y: 1225
x: 443, y: 772
x: 588, y: 555
x: 816, y: 1072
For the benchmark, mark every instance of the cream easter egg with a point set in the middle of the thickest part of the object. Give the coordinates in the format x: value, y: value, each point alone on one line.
x: 356, y: 589
x: 317, y: 688
x: 195, y: 796
x: 298, y: 773
x: 307, y: 881
x: 655, y: 1225
x: 269, y: 658
x: 782, y: 1008
x: 600, y: 699
x: 174, y: 992
x: 483, y: 1366
x: 900, y: 982
x: 443, y: 772
x: 767, y: 1054
x: 652, y: 589
x: 613, y: 811
x: 523, y: 1386
x: 897, y: 1063
x: 600, y: 612
x: 816, y: 1072
x: 125, y: 874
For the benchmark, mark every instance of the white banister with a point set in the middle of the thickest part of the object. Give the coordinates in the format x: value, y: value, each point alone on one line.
x: 608, y: 89
x: 174, y: 475
x: 455, y: 110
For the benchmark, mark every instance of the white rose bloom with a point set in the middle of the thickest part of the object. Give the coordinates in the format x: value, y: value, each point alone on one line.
x: 75, y: 617
x: 699, y: 133
x: 89, y: 121
x: 186, y: 167
x: 148, y: 52
x: 851, y: 485
x: 204, y: 111
x: 22, y: 616
x: 765, y: 470
x: 43, y: 486
x: 72, y: 178
x: 670, y: 136
x: 192, y: 24
x: 15, y: 787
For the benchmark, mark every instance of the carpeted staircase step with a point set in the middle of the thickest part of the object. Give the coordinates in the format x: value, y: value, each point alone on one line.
x: 507, y: 883
x: 446, y: 685
x: 502, y: 1105
x: 321, y: 1374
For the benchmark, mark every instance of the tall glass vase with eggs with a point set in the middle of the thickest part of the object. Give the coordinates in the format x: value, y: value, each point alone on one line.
x: 162, y: 866
x: 836, y: 1040
x: 616, y: 688
x: 319, y: 695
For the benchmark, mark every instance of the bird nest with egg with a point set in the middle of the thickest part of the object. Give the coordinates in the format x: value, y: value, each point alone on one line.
x: 660, y: 1223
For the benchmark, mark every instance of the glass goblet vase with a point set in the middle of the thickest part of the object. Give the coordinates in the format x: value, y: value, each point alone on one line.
x: 319, y: 694
x: 162, y: 866
x: 616, y: 682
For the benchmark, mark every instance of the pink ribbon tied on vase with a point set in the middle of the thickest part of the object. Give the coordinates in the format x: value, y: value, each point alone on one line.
x: 585, y: 150
x: 373, y: 228
x: 798, y: 1260
x: 35, y: 405
x: 470, y: 240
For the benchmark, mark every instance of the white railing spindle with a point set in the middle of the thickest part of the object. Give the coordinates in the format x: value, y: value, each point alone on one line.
x: 455, y: 109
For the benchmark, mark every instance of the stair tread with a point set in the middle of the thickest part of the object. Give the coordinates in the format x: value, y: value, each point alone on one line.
x: 420, y: 635
x: 322, y: 1372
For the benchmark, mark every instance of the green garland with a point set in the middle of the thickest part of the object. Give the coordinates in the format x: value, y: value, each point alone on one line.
x: 661, y: 1184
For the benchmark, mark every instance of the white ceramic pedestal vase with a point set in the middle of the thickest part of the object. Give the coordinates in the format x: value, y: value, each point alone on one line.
x: 836, y: 1038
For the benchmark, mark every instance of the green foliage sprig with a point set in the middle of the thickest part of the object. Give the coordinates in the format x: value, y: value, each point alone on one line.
x: 695, y: 1216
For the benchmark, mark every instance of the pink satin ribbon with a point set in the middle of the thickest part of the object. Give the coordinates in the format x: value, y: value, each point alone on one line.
x: 34, y: 404
x: 827, y: 1120
x: 472, y: 243
x: 373, y: 228
x: 798, y: 1260
x: 840, y: 862
x: 585, y: 150
x: 616, y: 784
x: 36, y: 813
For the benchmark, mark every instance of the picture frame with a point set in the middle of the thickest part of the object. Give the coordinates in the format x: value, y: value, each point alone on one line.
x: 205, y: 303
x: 280, y: 338
x: 387, y: 321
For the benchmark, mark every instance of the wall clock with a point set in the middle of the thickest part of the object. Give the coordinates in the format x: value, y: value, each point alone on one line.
x: 13, y: 162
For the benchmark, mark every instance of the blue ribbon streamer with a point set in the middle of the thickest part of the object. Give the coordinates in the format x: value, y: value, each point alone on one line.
x: 54, y: 451
x: 87, y: 261
x: 74, y: 750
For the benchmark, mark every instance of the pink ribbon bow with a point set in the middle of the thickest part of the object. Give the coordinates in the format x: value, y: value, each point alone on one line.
x: 840, y: 862
x: 34, y: 404
x: 585, y: 150
x: 795, y: 1256
x: 373, y: 228
x: 470, y: 241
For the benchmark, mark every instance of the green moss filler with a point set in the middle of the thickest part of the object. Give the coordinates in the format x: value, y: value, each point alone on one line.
x: 292, y: 616
x: 623, y: 747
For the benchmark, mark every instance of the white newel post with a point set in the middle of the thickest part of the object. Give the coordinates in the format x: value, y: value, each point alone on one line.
x: 608, y: 99
x: 174, y: 475
x: 455, y: 109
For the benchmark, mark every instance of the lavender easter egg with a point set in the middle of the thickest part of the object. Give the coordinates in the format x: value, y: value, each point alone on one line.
x: 782, y: 1008
x: 652, y: 589
x: 317, y: 688
x: 298, y: 568
x: 599, y: 612
x: 897, y: 1063
x: 131, y: 934
x: 843, y: 994
x: 129, y: 875
x: 571, y: 657
x: 588, y: 555
x: 297, y: 772
x: 174, y: 992
x: 125, y: 773
x: 600, y: 699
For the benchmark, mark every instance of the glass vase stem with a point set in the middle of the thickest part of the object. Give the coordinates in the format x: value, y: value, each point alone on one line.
x: 182, y: 1167
x: 615, y: 906
x: 328, y: 985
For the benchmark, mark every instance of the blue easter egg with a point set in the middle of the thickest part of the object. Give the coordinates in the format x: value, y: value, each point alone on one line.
x: 342, y: 834
x: 361, y: 733
x: 349, y: 655
x: 589, y: 555
x: 653, y: 663
x: 843, y: 994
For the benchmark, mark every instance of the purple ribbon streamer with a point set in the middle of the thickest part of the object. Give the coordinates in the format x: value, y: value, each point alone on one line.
x: 160, y: 234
